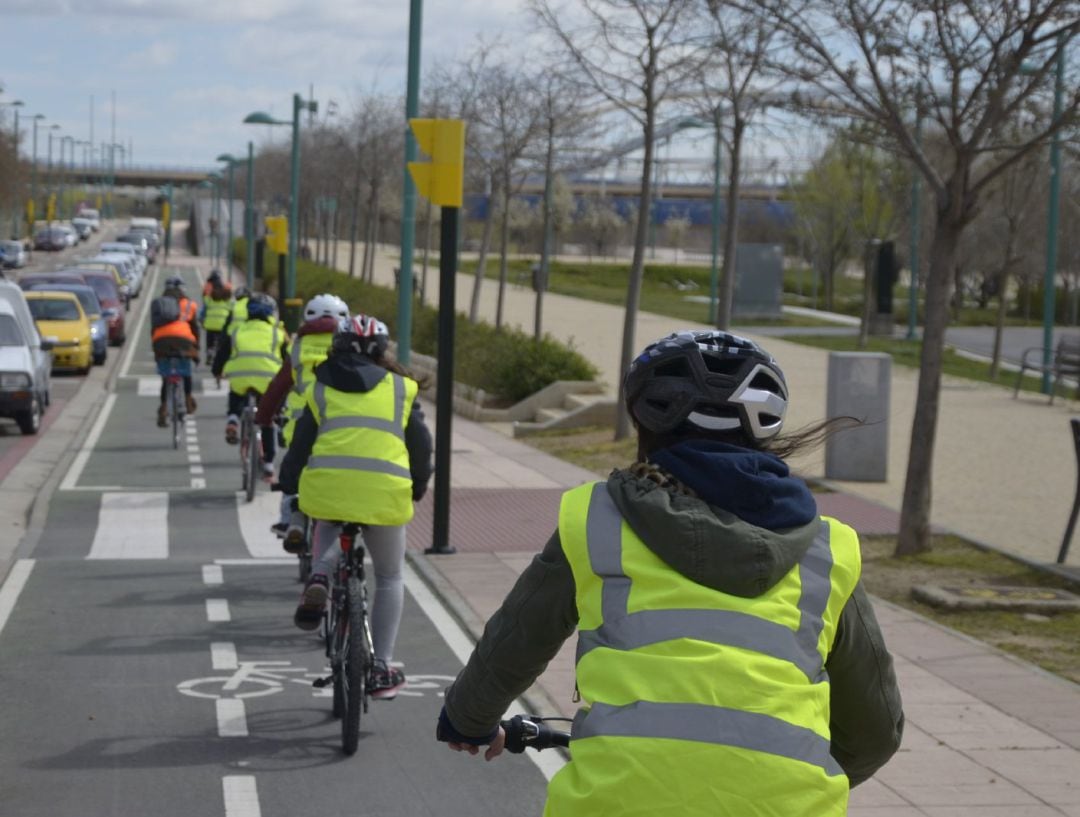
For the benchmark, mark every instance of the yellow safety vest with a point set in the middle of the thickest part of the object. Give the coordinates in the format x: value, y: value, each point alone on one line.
x: 254, y: 357
x: 217, y: 312
x: 239, y: 310
x: 358, y: 470
x: 305, y: 352
x: 698, y: 703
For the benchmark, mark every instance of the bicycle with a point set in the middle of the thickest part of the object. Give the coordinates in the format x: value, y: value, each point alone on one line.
x: 174, y: 395
x: 250, y: 446
x: 347, y: 634
x: 303, y: 557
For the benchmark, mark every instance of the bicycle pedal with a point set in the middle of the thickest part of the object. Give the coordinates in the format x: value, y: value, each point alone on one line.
x: 319, y: 683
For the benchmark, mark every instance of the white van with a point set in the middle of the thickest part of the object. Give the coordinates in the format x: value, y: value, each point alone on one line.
x: 141, y: 223
x: 25, y: 362
x: 93, y: 216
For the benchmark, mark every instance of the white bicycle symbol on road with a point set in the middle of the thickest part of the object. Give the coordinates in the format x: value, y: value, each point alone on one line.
x: 255, y: 679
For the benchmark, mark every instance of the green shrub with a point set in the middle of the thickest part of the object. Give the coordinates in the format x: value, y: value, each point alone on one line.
x: 506, y: 363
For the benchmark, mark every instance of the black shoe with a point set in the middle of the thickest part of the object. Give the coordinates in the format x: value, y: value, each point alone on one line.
x: 309, y: 612
x: 386, y: 681
x: 278, y: 529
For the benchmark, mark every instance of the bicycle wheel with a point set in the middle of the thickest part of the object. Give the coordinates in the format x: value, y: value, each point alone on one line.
x: 252, y: 461
x: 174, y: 406
x: 245, y: 444
x: 357, y: 663
x: 337, y: 635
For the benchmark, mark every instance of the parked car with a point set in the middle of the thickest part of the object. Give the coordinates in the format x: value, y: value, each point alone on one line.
x: 144, y: 222
x: 71, y: 237
x: 135, y: 252
x: 25, y: 362
x: 83, y: 227
x: 142, y: 243
x: 61, y: 321
x: 112, y: 302
x: 88, y: 299
x: 12, y: 254
x: 91, y: 215
x: 128, y: 277
x: 50, y: 239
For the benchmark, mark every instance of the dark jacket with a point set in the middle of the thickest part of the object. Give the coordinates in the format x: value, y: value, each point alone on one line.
x: 356, y: 373
x: 749, y: 525
x: 278, y: 391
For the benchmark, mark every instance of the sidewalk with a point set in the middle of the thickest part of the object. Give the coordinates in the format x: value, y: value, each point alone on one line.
x: 986, y: 734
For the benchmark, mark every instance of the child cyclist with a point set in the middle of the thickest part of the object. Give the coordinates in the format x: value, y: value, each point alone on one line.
x: 728, y: 659
x: 360, y: 453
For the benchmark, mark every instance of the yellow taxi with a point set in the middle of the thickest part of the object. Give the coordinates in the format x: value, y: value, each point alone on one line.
x: 60, y: 319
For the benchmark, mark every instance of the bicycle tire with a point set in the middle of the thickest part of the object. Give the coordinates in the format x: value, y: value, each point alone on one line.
x: 252, y: 464
x: 335, y: 648
x: 174, y: 409
x: 244, y: 444
x: 356, y: 665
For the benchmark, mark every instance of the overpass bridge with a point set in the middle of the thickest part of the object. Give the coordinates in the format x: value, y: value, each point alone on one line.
x: 132, y: 176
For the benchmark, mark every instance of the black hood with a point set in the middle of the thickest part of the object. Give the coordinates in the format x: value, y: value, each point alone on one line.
x: 350, y: 372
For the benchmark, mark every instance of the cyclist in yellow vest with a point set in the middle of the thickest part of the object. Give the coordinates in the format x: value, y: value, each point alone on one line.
x: 289, y: 388
x: 728, y: 660
x: 249, y: 356
x: 360, y: 453
x: 216, y: 308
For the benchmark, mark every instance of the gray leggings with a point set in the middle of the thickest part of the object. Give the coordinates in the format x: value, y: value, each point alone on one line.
x: 386, y: 544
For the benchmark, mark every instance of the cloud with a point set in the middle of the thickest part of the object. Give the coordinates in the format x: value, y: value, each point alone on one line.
x: 158, y: 54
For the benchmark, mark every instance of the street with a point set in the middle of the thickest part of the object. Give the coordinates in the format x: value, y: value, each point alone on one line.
x: 149, y: 660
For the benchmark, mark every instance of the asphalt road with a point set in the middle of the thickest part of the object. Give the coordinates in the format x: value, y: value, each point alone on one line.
x: 149, y: 664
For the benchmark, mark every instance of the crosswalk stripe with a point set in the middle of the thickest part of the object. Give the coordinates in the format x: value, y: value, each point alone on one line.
x: 132, y: 526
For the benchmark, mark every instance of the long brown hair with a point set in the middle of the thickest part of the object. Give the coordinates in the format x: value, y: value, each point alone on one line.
x: 782, y: 445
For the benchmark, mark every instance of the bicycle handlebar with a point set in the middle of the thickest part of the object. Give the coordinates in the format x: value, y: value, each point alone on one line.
x: 523, y: 731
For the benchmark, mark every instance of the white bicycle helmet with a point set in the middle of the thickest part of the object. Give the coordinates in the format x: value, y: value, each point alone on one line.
x: 710, y: 380
x: 325, y: 306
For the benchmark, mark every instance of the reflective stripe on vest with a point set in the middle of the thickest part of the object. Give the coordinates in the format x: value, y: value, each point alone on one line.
x: 358, y: 470
x: 305, y: 353
x: 711, y: 637
x: 217, y: 312
x: 249, y: 367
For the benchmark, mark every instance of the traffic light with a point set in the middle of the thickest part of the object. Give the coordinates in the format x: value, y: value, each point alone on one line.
x: 441, y: 179
x: 277, y: 234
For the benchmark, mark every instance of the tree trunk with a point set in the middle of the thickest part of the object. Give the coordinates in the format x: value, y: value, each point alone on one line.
x: 545, y: 238
x: 914, y: 536
x: 376, y: 207
x: 481, y: 261
x: 731, y: 230
x: 504, y: 240
x: 637, y: 269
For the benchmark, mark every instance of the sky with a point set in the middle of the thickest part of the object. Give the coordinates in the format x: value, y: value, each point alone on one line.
x: 186, y: 72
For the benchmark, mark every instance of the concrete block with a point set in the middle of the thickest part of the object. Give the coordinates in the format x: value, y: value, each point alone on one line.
x: 858, y: 386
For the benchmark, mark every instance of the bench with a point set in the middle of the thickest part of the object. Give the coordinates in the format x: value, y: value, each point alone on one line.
x: 1064, y: 363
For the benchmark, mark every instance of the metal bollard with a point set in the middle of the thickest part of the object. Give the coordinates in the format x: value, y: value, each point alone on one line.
x: 1075, y: 423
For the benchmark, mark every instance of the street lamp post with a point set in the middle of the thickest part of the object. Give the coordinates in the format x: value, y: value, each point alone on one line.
x: 261, y: 118
x: 1049, y: 292
x: 33, y: 176
x: 215, y: 227
x: 65, y: 169
x: 51, y: 184
x: 16, y: 104
x: 249, y: 216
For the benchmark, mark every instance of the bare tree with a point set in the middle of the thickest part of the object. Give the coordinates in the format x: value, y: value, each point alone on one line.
x: 736, y: 87
x: 976, y: 66
x: 635, y: 55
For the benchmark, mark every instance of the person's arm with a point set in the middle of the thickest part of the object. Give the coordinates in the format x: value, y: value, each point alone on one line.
x: 418, y: 443
x: 867, y: 721
x: 536, y: 617
x: 299, y: 450
x: 221, y: 356
x: 275, y: 394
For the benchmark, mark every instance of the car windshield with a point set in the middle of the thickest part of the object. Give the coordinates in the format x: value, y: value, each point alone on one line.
x: 87, y: 299
x: 105, y: 289
x: 9, y: 332
x: 11, y: 247
x: 53, y: 309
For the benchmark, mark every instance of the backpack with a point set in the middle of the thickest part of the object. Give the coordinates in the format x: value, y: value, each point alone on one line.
x: 164, y: 309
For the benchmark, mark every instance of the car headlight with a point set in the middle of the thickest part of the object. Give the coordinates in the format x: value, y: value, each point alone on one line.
x: 14, y: 381
x: 95, y: 330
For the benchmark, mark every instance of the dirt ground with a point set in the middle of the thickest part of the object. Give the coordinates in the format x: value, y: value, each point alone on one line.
x: 1050, y: 641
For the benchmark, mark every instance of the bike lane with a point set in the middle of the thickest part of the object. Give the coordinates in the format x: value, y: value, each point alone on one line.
x: 139, y: 588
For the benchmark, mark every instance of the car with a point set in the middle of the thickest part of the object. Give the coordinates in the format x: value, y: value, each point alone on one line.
x: 83, y: 227
x: 50, y: 239
x: 112, y: 302
x: 12, y: 254
x: 147, y: 223
x: 91, y: 215
x: 61, y: 321
x: 128, y: 276
x: 135, y: 252
x: 71, y: 237
x: 25, y: 362
x: 88, y: 299
x: 141, y: 242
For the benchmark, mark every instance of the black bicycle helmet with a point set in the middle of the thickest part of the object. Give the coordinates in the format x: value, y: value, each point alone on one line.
x: 174, y: 282
x: 710, y: 380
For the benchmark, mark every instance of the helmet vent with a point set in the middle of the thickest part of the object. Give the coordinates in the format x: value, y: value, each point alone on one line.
x: 764, y: 382
x: 675, y: 368
x: 719, y: 365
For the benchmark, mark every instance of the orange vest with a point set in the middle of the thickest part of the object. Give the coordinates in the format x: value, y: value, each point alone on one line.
x: 179, y: 328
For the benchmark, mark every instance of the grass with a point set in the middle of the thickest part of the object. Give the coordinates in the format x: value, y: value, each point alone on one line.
x: 1051, y: 642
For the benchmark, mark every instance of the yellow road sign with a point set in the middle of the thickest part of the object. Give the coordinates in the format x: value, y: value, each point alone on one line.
x: 441, y: 179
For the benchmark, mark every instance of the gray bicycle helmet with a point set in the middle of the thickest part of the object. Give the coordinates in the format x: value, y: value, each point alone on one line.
x: 710, y: 380
x: 174, y: 282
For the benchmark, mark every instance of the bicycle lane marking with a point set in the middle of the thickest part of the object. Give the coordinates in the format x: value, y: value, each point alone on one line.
x: 132, y: 526
x: 462, y: 646
x: 241, y: 796
x: 12, y: 587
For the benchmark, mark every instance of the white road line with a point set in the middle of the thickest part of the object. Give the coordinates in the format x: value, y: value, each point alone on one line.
x: 132, y: 526
x: 212, y: 574
x: 241, y: 796
x: 210, y: 388
x: 255, y: 519
x: 12, y: 587
x: 291, y: 560
x: 223, y: 655
x: 462, y: 646
x: 198, y: 483
x: 149, y: 386
x: 77, y: 465
x: 144, y: 308
x: 231, y: 718
x: 194, y: 458
x: 217, y: 610
x: 197, y: 470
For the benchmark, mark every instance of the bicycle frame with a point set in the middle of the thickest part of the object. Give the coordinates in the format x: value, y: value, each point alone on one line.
x: 174, y: 401
x: 250, y: 447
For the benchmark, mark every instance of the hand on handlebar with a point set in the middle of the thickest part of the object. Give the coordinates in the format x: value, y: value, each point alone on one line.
x: 494, y: 749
